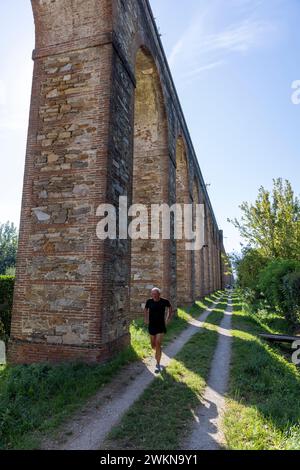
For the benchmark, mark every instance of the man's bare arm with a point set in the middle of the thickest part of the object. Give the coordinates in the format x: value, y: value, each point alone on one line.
x: 146, y: 316
x: 169, y: 314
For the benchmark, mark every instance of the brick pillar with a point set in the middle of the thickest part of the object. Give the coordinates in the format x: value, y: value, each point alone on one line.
x: 197, y: 253
x: 184, y: 258
x: 215, y: 265
x: 211, y: 261
x: 202, y: 255
x: 217, y: 272
x: 220, y: 244
x: 71, y: 294
x: 218, y: 267
x: 206, y: 256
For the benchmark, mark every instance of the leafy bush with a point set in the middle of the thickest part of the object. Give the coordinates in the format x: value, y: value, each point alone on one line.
x: 6, y: 300
x: 10, y: 271
x: 291, y: 289
x: 249, y: 267
x: 279, y: 287
x: 8, y: 246
x: 248, y: 296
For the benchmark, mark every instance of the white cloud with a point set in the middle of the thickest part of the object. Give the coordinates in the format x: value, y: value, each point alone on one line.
x: 194, y: 73
x: 219, y: 31
x: 238, y: 38
x: 176, y: 50
x: 3, y: 93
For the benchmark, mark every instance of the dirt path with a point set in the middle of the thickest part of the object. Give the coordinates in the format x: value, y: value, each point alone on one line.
x: 206, y: 432
x: 88, y: 429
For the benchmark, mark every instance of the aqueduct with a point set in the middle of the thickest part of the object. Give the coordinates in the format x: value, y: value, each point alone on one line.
x: 105, y: 121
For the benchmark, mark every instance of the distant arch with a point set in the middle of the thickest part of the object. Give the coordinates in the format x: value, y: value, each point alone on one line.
x: 149, y: 258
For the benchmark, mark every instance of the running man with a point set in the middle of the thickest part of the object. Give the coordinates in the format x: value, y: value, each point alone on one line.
x: 156, y: 318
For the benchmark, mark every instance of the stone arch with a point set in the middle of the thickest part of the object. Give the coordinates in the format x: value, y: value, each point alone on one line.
x: 184, y: 257
x: 149, y: 258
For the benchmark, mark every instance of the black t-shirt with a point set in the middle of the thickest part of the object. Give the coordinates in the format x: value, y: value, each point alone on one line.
x: 157, y: 311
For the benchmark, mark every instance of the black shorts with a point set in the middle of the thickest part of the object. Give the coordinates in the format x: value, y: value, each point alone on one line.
x: 156, y: 329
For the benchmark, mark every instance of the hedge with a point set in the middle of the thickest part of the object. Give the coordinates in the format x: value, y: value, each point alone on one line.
x: 6, y: 300
x: 291, y: 289
x: 279, y: 283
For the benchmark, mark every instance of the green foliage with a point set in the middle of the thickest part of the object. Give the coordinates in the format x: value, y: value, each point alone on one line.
x: 39, y: 396
x: 227, y: 264
x: 8, y: 246
x: 272, y: 224
x: 263, y: 408
x: 291, y: 289
x: 278, y: 287
x: 10, y: 271
x: 248, y: 268
x: 6, y: 300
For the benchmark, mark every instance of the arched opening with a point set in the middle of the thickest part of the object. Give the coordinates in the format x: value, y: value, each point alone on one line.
x: 149, y: 257
x: 183, y: 256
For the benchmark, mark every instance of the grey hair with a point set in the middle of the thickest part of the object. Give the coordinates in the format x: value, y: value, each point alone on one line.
x: 155, y: 288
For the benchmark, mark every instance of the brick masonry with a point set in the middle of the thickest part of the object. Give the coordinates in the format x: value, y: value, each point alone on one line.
x: 105, y: 121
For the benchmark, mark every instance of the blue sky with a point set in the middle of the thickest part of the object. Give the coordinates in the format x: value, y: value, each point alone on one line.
x: 233, y: 63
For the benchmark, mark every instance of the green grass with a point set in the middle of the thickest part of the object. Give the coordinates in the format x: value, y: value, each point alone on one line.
x: 36, y: 399
x: 159, y: 419
x: 263, y: 406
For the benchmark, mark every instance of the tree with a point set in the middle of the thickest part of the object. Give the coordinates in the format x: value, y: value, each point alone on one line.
x: 227, y: 268
x: 272, y: 224
x: 8, y: 246
x: 279, y: 283
x: 248, y: 266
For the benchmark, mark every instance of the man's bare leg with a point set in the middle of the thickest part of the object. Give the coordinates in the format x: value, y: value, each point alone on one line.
x: 159, y: 340
x: 153, y: 341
